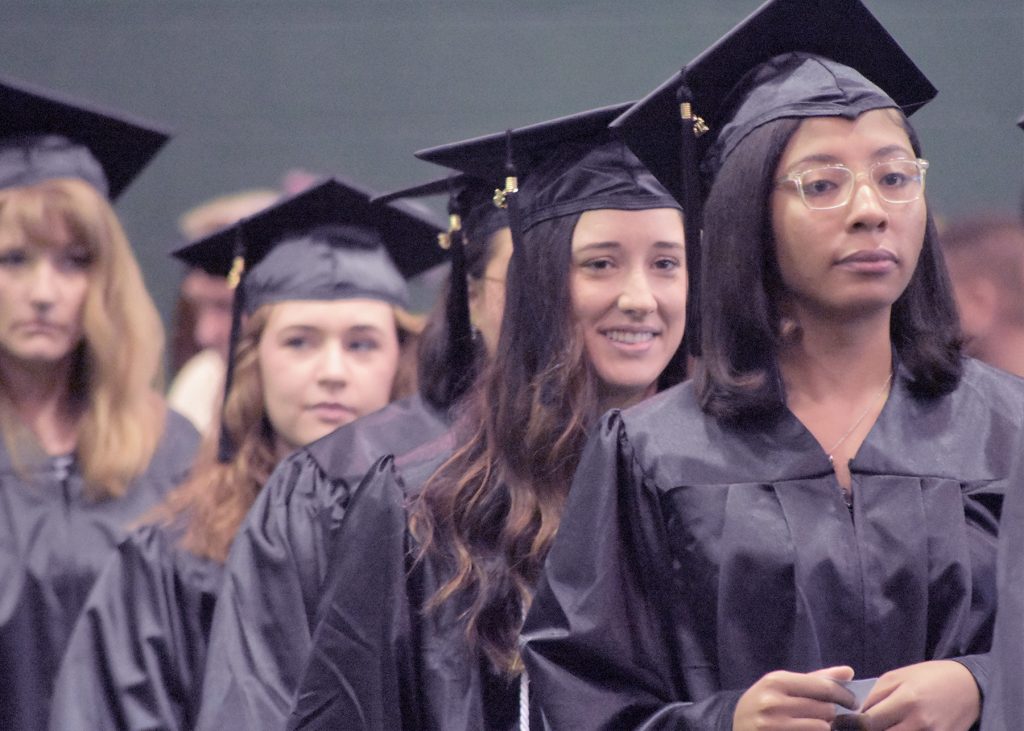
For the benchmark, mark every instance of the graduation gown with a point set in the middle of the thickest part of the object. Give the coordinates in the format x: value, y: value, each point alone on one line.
x: 136, y: 656
x: 379, y: 661
x: 1004, y: 700
x: 53, y: 543
x: 693, y: 558
x: 265, y: 612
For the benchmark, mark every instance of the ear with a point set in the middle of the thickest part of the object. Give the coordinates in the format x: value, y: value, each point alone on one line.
x: 475, y: 289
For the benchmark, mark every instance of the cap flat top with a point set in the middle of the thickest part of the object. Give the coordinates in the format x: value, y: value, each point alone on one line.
x: 123, y: 144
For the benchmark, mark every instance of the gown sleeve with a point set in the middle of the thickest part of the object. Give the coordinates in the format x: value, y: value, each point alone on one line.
x: 361, y: 659
x: 136, y: 655
x: 260, y: 636
x: 1003, y: 705
x: 603, y: 646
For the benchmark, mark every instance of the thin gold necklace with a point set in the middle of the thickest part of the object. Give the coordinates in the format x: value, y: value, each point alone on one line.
x: 860, y: 418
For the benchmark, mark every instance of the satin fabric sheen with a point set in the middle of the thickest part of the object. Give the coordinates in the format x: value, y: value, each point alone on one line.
x: 53, y: 543
x: 693, y: 558
x: 260, y: 639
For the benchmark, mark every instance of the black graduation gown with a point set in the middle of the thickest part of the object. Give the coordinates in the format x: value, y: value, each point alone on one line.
x: 378, y: 661
x: 1004, y: 700
x: 53, y: 543
x: 693, y: 558
x: 265, y: 611
x: 136, y: 656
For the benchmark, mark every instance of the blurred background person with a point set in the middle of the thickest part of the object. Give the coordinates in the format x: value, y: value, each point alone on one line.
x: 201, y: 324
x: 985, y: 258
x: 88, y: 442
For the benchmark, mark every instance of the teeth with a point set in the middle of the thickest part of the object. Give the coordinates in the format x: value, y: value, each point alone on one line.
x: 628, y: 337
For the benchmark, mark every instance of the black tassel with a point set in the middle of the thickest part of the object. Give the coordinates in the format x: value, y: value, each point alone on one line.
x: 461, y: 353
x: 692, y: 214
x: 225, y: 447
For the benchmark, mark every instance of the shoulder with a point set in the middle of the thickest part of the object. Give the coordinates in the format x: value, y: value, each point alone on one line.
x: 180, y: 438
x: 348, y: 452
x: 995, y: 389
x: 671, y: 422
x: 154, y: 550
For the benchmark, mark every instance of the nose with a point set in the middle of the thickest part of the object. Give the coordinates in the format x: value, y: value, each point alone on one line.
x: 43, y: 289
x: 637, y: 297
x: 334, y: 365
x: 867, y: 209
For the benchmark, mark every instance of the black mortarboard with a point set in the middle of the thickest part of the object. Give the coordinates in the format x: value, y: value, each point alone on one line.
x: 45, y: 135
x: 761, y: 71
x: 473, y: 215
x: 567, y: 165
x: 328, y: 242
x: 790, y: 58
x: 1020, y: 122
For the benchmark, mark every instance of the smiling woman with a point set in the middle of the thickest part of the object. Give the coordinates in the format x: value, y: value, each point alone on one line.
x: 628, y: 285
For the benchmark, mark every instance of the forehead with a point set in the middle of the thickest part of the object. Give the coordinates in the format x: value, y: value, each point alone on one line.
x: 331, y: 315
x: 611, y: 225
x: 844, y: 139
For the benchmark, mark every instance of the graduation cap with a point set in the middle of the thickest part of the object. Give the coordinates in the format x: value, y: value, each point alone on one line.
x: 1020, y: 122
x: 568, y: 165
x: 789, y: 59
x: 45, y: 135
x: 472, y: 215
x: 326, y: 243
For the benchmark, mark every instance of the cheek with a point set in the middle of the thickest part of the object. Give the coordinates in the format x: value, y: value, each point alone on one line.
x: 376, y: 379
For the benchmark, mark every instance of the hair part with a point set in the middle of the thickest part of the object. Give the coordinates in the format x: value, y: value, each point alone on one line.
x: 117, y: 369
x: 741, y: 334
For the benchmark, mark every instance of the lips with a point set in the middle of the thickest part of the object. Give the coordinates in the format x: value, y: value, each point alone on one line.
x: 869, y: 256
x: 629, y: 337
x: 330, y: 411
x: 39, y: 326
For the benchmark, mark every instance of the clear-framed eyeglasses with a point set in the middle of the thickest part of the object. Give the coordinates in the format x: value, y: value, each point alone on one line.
x: 831, y: 186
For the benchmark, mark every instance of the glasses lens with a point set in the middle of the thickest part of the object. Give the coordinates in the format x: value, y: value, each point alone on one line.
x: 826, y: 187
x: 898, y: 181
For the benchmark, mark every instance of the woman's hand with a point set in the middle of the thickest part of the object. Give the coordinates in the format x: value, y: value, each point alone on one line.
x: 793, y: 701
x: 939, y: 695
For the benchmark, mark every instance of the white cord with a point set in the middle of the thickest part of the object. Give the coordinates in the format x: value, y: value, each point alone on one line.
x: 524, y: 702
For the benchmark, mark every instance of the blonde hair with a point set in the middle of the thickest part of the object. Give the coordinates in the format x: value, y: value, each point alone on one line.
x: 117, y: 367
x: 217, y: 496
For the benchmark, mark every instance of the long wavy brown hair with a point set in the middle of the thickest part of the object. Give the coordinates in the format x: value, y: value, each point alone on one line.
x: 117, y: 369
x: 491, y: 511
x: 213, y: 501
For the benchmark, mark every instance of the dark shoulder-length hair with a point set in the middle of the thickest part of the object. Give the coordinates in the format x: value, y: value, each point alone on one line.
x: 742, y: 324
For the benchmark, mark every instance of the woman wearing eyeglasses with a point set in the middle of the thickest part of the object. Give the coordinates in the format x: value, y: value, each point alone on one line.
x: 821, y: 503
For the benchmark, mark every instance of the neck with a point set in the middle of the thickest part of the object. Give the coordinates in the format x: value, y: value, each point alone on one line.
x: 41, y: 397
x: 830, y: 359
x: 609, y: 399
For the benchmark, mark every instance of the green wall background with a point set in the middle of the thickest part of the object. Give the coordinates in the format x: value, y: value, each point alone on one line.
x: 255, y: 87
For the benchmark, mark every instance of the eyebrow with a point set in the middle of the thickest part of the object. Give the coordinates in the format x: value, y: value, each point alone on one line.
x: 833, y: 160
x: 617, y: 245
